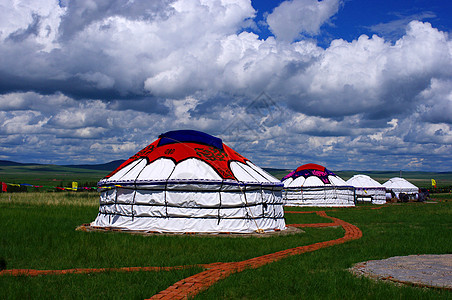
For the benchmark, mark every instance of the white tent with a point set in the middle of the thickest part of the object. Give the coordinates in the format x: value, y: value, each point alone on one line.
x: 368, y: 189
x: 189, y: 181
x: 399, y: 185
x: 314, y: 185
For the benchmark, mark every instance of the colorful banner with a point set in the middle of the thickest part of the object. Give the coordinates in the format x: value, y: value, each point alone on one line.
x: 73, y: 188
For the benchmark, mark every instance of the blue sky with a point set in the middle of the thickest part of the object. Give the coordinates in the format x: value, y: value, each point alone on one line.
x: 363, y: 85
x: 355, y: 18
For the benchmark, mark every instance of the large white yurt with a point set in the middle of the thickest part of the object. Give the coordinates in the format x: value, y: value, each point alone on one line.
x: 189, y: 181
x: 314, y: 185
x: 399, y: 185
x: 368, y: 189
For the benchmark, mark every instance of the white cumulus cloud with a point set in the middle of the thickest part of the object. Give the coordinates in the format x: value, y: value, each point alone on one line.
x: 291, y: 19
x: 104, y: 78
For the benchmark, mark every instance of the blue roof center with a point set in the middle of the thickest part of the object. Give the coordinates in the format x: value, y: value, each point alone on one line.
x: 190, y: 136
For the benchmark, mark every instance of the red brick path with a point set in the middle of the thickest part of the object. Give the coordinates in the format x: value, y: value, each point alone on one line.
x: 193, y: 285
x: 32, y: 272
x: 214, y: 272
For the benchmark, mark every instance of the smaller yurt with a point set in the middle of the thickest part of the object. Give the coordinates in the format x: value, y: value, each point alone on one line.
x: 314, y: 185
x: 188, y: 181
x: 368, y: 189
x: 399, y: 185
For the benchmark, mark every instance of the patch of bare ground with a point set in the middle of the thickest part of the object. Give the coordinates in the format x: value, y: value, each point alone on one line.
x: 429, y: 270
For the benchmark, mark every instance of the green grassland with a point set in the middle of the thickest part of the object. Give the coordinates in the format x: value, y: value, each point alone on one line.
x: 38, y: 231
x: 51, y: 175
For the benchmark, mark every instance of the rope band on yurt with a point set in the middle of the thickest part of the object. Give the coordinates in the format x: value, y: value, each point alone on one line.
x: 219, y: 206
x: 116, y: 200
x: 164, y: 195
x: 258, y: 230
x: 133, y: 198
x: 262, y: 202
x: 182, y: 217
x: 273, y: 201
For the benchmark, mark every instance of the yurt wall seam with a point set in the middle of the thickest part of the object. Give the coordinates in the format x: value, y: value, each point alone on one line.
x: 130, y: 185
x: 219, y: 205
x: 193, y: 207
x: 244, y: 193
x: 191, y: 217
x: 248, y: 211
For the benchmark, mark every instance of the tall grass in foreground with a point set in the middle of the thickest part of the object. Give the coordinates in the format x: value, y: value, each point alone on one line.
x: 39, y: 233
x: 51, y: 198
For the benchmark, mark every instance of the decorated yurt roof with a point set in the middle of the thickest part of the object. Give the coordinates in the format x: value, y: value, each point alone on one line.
x: 312, y: 175
x: 363, y: 181
x: 399, y: 183
x: 188, y: 155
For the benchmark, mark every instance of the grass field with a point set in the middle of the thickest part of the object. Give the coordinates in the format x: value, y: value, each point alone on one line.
x: 50, y: 175
x: 38, y: 232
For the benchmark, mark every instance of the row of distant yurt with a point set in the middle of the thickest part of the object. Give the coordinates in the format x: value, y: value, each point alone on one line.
x: 314, y: 185
x: 189, y: 181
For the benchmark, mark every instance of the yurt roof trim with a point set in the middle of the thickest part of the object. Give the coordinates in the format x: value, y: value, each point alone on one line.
x: 125, y: 183
x: 219, y: 163
x: 309, y: 170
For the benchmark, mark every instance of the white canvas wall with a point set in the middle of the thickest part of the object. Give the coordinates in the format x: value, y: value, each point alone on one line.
x: 311, y: 191
x: 322, y: 196
x: 207, y: 209
x: 400, y: 185
x: 368, y: 189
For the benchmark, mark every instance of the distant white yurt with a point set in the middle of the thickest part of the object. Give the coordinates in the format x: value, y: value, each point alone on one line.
x: 189, y: 181
x: 368, y: 189
x: 314, y: 185
x: 399, y: 185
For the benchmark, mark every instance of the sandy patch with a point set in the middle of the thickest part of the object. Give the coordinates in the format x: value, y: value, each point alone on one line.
x: 422, y: 270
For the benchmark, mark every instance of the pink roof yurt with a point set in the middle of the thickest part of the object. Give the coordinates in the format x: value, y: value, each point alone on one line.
x: 314, y: 185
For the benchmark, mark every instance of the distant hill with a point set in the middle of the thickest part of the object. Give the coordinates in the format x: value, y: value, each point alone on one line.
x: 110, y: 166
x: 7, y: 163
x: 101, y: 167
x: 278, y: 173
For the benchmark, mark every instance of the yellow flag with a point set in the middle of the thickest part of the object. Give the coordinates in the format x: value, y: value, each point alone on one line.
x: 74, y: 185
x: 434, y: 182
